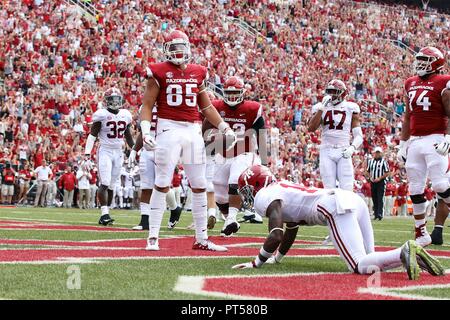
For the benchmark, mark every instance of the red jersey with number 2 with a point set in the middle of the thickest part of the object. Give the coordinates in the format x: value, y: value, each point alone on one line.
x: 178, y: 90
x: 427, y: 114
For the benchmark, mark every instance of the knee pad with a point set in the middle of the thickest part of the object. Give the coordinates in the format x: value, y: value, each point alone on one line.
x: 223, y: 207
x: 419, y: 203
x: 233, y: 189
x: 198, y: 182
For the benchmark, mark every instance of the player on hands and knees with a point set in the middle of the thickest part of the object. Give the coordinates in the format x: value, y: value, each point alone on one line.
x: 344, y: 212
x: 111, y: 125
x: 339, y: 120
x: 246, y: 118
x: 425, y: 136
x: 179, y: 89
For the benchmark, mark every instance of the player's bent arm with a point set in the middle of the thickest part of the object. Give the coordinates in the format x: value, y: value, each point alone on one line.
x: 405, y: 126
x: 95, y: 130
x: 261, y: 137
x: 129, y: 137
x: 315, y: 121
x: 288, y: 239
x: 209, y: 111
x: 150, y: 95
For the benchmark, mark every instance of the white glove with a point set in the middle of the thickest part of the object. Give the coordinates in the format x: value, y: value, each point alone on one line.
x: 132, y: 158
x: 149, y: 142
x: 444, y: 147
x: 348, y: 152
x: 326, y: 100
x: 247, y: 265
x: 401, y: 154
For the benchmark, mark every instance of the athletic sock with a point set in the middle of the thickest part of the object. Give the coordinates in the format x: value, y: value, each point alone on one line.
x: 171, y: 201
x: 105, y: 210
x: 199, y: 214
x: 157, y: 207
x: 232, y: 213
x: 420, y: 222
x: 212, y: 212
x: 380, y: 260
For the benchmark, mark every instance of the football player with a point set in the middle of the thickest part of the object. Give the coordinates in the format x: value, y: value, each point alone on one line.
x: 179, y: 90
x: 439, y: 220
x: 147, y: 181
x: 345, y: 214
x: 111, y: 125
x: 128, y: 188
x: 246, y: 118
x: 339, y: 120
x: 425, y: 136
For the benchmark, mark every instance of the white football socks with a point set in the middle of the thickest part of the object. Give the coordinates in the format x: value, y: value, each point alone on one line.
x: 199, y: 214
x: 145, y: 208
x: 420, y: 222
x: 232, y: 214
x: 211, y: 212
x: 105, y: 210
x: 157, y: 207
x: 380, y: 261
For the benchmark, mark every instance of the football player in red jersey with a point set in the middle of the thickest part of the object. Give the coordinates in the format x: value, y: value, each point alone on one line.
x: 179, y: 90
x: 425, y: 137
x: 246, y: 119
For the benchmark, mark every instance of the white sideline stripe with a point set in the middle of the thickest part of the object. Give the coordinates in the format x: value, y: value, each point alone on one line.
x: 194, y: 285
x: 390, y: 292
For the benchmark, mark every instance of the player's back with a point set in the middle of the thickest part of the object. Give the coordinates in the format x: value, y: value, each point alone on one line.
x: 177, y: 99
x: 113, y: 127
x: 241, y: 119
x: 427, y: 114
x: 298, y: 202
x: 337, y: 123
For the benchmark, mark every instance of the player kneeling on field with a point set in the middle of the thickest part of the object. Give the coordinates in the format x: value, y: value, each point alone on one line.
x: 345, y: 214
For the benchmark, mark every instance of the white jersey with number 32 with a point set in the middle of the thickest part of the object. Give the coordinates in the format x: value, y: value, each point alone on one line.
x: 337, y: 122
x: 113, y: 127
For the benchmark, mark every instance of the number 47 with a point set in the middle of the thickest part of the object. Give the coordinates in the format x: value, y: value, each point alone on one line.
x: 422, y: 101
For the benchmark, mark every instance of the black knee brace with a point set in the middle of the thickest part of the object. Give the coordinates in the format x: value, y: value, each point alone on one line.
x: 223, y: 207
x: 233, y: 189
x: 444, y: 194
x: 418, y: 198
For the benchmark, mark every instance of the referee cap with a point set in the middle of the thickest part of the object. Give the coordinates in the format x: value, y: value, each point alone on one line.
x: 378, y: 149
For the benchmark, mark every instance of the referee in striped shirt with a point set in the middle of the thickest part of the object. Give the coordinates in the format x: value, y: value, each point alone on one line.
x: 377, y: 172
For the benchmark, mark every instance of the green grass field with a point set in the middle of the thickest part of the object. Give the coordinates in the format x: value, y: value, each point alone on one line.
x: 117, y: 267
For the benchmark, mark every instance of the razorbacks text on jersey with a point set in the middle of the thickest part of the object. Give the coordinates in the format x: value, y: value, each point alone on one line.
x: 241, y: 119
x: 298, y: 203
x: 177, y: 99
x: 337, y: 122
x: 427, y: 114
x: 113, y: 127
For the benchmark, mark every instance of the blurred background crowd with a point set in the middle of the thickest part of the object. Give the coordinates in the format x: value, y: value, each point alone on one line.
x: 55, y: 64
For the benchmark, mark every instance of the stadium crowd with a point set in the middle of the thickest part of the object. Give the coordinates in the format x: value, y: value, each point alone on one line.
x: 55, y: 64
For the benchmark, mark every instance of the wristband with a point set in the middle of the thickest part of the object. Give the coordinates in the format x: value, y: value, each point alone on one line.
x: 145, y: 127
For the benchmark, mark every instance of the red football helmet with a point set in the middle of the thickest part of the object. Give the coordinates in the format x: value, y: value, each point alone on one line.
x: 177, y: 48
x: 233, y: 91
x: 337, y: 90
x: 428, y: 60
x: 251, y: 181
x: 113, y: 99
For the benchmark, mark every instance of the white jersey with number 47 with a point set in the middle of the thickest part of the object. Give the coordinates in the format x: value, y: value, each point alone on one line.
x: 113, y: 127
x: 337, y: 122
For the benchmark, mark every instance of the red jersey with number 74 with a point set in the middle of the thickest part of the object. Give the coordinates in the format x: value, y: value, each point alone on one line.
x: 427, y: 114
x: 178, y: 90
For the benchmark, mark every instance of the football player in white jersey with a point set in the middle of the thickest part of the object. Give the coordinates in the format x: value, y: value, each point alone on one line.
x: 339, y: 120
x: 111, y: 125
x: 345, y: 214
x: 147, y: 180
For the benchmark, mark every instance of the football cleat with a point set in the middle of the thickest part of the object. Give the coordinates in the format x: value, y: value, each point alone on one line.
x: 408, y: 257
x: 436, y: 236
x: 230, y: 228
x: 143, y: 225
x: 429, y: 263
x: 423, y: 238
x: 152, y: 244
x: 211, y: 222
x: 105, y: 220
x: 174, y: 217
x: 209, y: 246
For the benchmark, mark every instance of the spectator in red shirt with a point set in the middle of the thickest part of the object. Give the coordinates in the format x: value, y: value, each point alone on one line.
x: 367, y: 192
x: 430, y: 195
x: 24, y: 182
x: 176, y: 185
x: 389, y: 197
x: 402, y: 196
x: 68, y: 182
x: 8, y: 178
